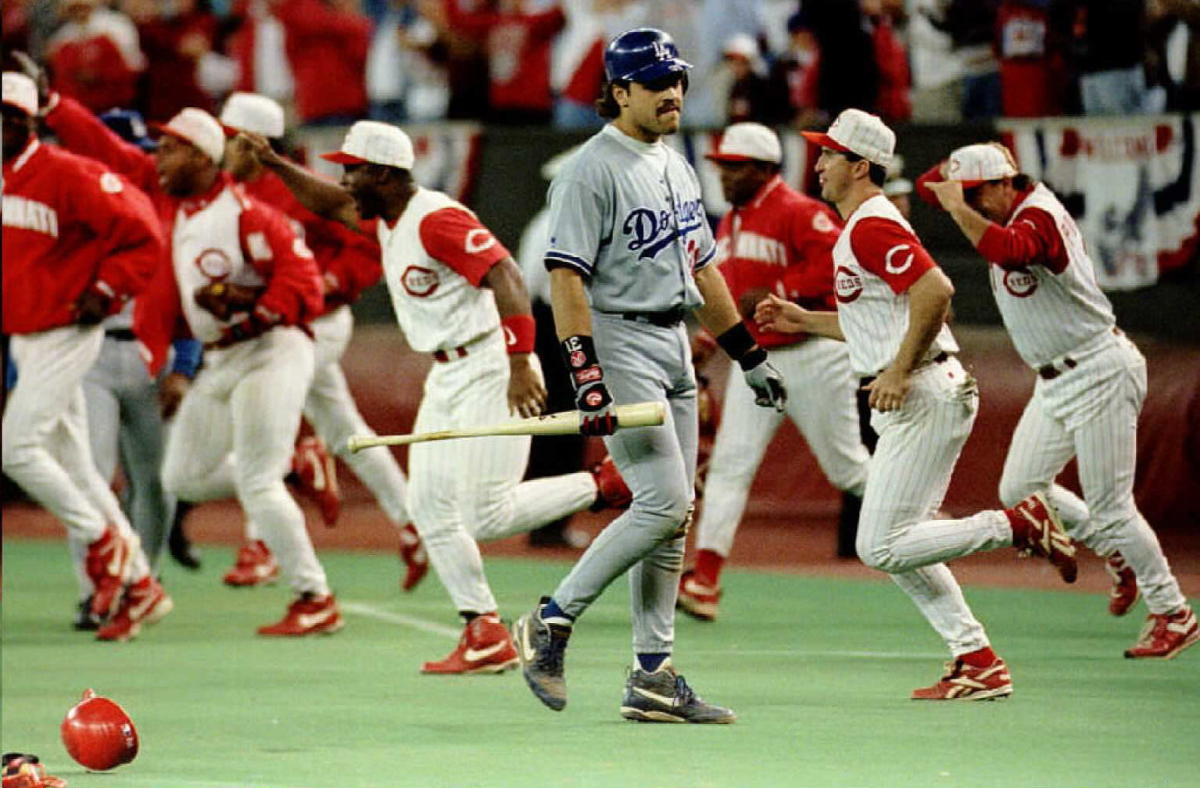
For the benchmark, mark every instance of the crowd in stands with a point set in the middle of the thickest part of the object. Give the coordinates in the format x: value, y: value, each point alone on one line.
x: 538, y: 62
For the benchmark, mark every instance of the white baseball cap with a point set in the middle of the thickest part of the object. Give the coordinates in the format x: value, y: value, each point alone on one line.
x: 860, y: 133
x: 255, y: 113
x: 748, y: 142
x: 372, y: 142
x: 974, y: 165
x: 741, y: 45
x: 196, y: 127
x: 21, y: 92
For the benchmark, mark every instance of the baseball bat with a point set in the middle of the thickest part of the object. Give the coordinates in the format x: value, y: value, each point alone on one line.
x: 640, y: 414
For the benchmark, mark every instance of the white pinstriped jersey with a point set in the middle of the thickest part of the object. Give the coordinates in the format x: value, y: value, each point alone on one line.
x: 628, y: 216
x: 439, y: 305
x: 1048, y: 314
x: 207, y: 247
x: 872, y: 315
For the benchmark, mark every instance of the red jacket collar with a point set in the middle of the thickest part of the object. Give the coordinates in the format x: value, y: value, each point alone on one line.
x: 28, y: 152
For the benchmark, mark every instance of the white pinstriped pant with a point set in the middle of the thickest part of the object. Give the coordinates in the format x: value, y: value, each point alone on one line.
x: 1090, y: 412
x: 331, y: 410
x: 45, y: 437
x: 234, y: 435
x: 919, y: 445
x: 461, y: 491
x: 820, y: 403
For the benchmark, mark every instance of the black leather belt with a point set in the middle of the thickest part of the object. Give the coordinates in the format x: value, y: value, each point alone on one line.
x: 940, y: 358
x: 120, y: 334
x: 668, y: 319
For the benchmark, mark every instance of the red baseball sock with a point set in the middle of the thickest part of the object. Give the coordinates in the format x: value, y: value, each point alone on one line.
x: 1020, y: 527
x: 708, y: 568
x: 979, y: 659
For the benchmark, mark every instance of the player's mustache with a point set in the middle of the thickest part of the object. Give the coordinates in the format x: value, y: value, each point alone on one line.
x: 668, y: 106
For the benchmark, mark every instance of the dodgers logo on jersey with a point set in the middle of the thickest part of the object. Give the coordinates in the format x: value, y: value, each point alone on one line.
x: 419, y: 282
x: 1020, y: 282
x: 214, y: 264
x: 847, y: 285
x: 650, y: 231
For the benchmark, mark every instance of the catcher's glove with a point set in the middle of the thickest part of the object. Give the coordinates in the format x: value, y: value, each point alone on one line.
x: 222, y: 299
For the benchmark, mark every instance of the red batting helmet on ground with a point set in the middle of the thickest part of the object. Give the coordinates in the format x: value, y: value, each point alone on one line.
x: 99, y: 734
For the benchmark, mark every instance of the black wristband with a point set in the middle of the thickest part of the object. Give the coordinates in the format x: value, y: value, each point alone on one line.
x: 752, y: 359
x: 737, y: 341
x: 579, y: 354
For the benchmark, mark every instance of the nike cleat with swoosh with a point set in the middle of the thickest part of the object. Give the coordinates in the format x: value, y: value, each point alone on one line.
x: 309, y: 614
x: 484, y: 647
x: 541, y: 649
x: 664, y: 696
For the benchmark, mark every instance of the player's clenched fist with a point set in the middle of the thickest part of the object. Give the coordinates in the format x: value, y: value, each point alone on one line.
x: 597, y: 415
x: 766, y: 383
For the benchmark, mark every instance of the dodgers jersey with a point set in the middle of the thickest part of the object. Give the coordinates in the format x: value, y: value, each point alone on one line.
x: 627, y: 215
x: 876, y: 260
x: 434, y: 260
x: 1043, y: 280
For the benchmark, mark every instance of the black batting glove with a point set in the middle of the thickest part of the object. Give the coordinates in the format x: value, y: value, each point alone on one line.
x: 597, y: 414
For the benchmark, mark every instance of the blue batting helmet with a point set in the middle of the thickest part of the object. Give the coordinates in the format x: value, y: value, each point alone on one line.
x: 642, y: 55
x: 129, y: 126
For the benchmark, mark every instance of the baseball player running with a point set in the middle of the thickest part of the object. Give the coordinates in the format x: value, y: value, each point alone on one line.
x: 349, y: 263
x: 630, y: 253
x: 892, y: 301
x: 78, y: 242
x: 235, y: 430
x: 1091, y: 379
x: 774, y: 240
x: 458, y: 295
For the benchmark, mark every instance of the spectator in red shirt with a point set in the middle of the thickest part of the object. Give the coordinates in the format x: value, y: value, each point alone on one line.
x: 1032, y: 66
x: 95, y: 57
x: 174, y: 42
x: 327, y: 43
x: 517, y: 41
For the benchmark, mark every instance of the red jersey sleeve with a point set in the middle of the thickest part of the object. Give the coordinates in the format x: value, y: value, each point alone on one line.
x: 294, y: 294
x: 1033, y: 239
x: 124, y: 217
x: 81, y: 132
x: 456, y: 238
x: 891, y: 252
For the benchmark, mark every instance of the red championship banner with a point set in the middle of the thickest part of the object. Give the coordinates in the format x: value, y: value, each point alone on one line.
x: 1132, y: 184
x: 447, y: 154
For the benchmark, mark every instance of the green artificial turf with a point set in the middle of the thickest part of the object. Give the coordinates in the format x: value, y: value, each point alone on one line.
x: 818, y: 670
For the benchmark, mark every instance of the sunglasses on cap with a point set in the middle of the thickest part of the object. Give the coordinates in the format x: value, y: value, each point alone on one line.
x: 665, y: 82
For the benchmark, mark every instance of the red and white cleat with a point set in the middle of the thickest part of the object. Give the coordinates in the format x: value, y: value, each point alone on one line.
x: 309, y: 614
x: 963, y: 682
x: 412, y: 553
x: 107, y: 566
x: 485, y: 647
x: 611, y: 490
x: 255, y: 566
x: 1166, y: 637
x: 1124, y: 593
x: 316, y: 472
x: 145, y: 602
x: 1037, y: 530
x: 697, y: 599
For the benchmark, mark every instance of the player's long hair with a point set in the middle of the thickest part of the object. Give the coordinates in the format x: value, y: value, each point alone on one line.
x: 607, y: 106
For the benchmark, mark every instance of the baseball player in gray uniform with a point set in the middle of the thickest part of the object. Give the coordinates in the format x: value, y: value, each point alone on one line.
x: 629, y: 254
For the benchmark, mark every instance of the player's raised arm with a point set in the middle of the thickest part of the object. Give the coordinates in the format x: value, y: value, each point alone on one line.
x: 318, y: 195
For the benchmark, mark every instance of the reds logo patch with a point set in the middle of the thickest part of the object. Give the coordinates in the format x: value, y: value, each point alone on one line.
x: 1020, y: 282
x: 594, y: 399
x: 479, y: 240
x: 214, y: 264
x: 847, y: 285
x: 419, y: 282
x: 892, y: 262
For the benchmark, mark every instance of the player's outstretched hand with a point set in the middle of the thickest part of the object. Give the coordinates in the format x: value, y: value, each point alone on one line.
x: 767, y: 384
x: 526, y: 389
x: 775, y: 314
x: 597, y: 414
